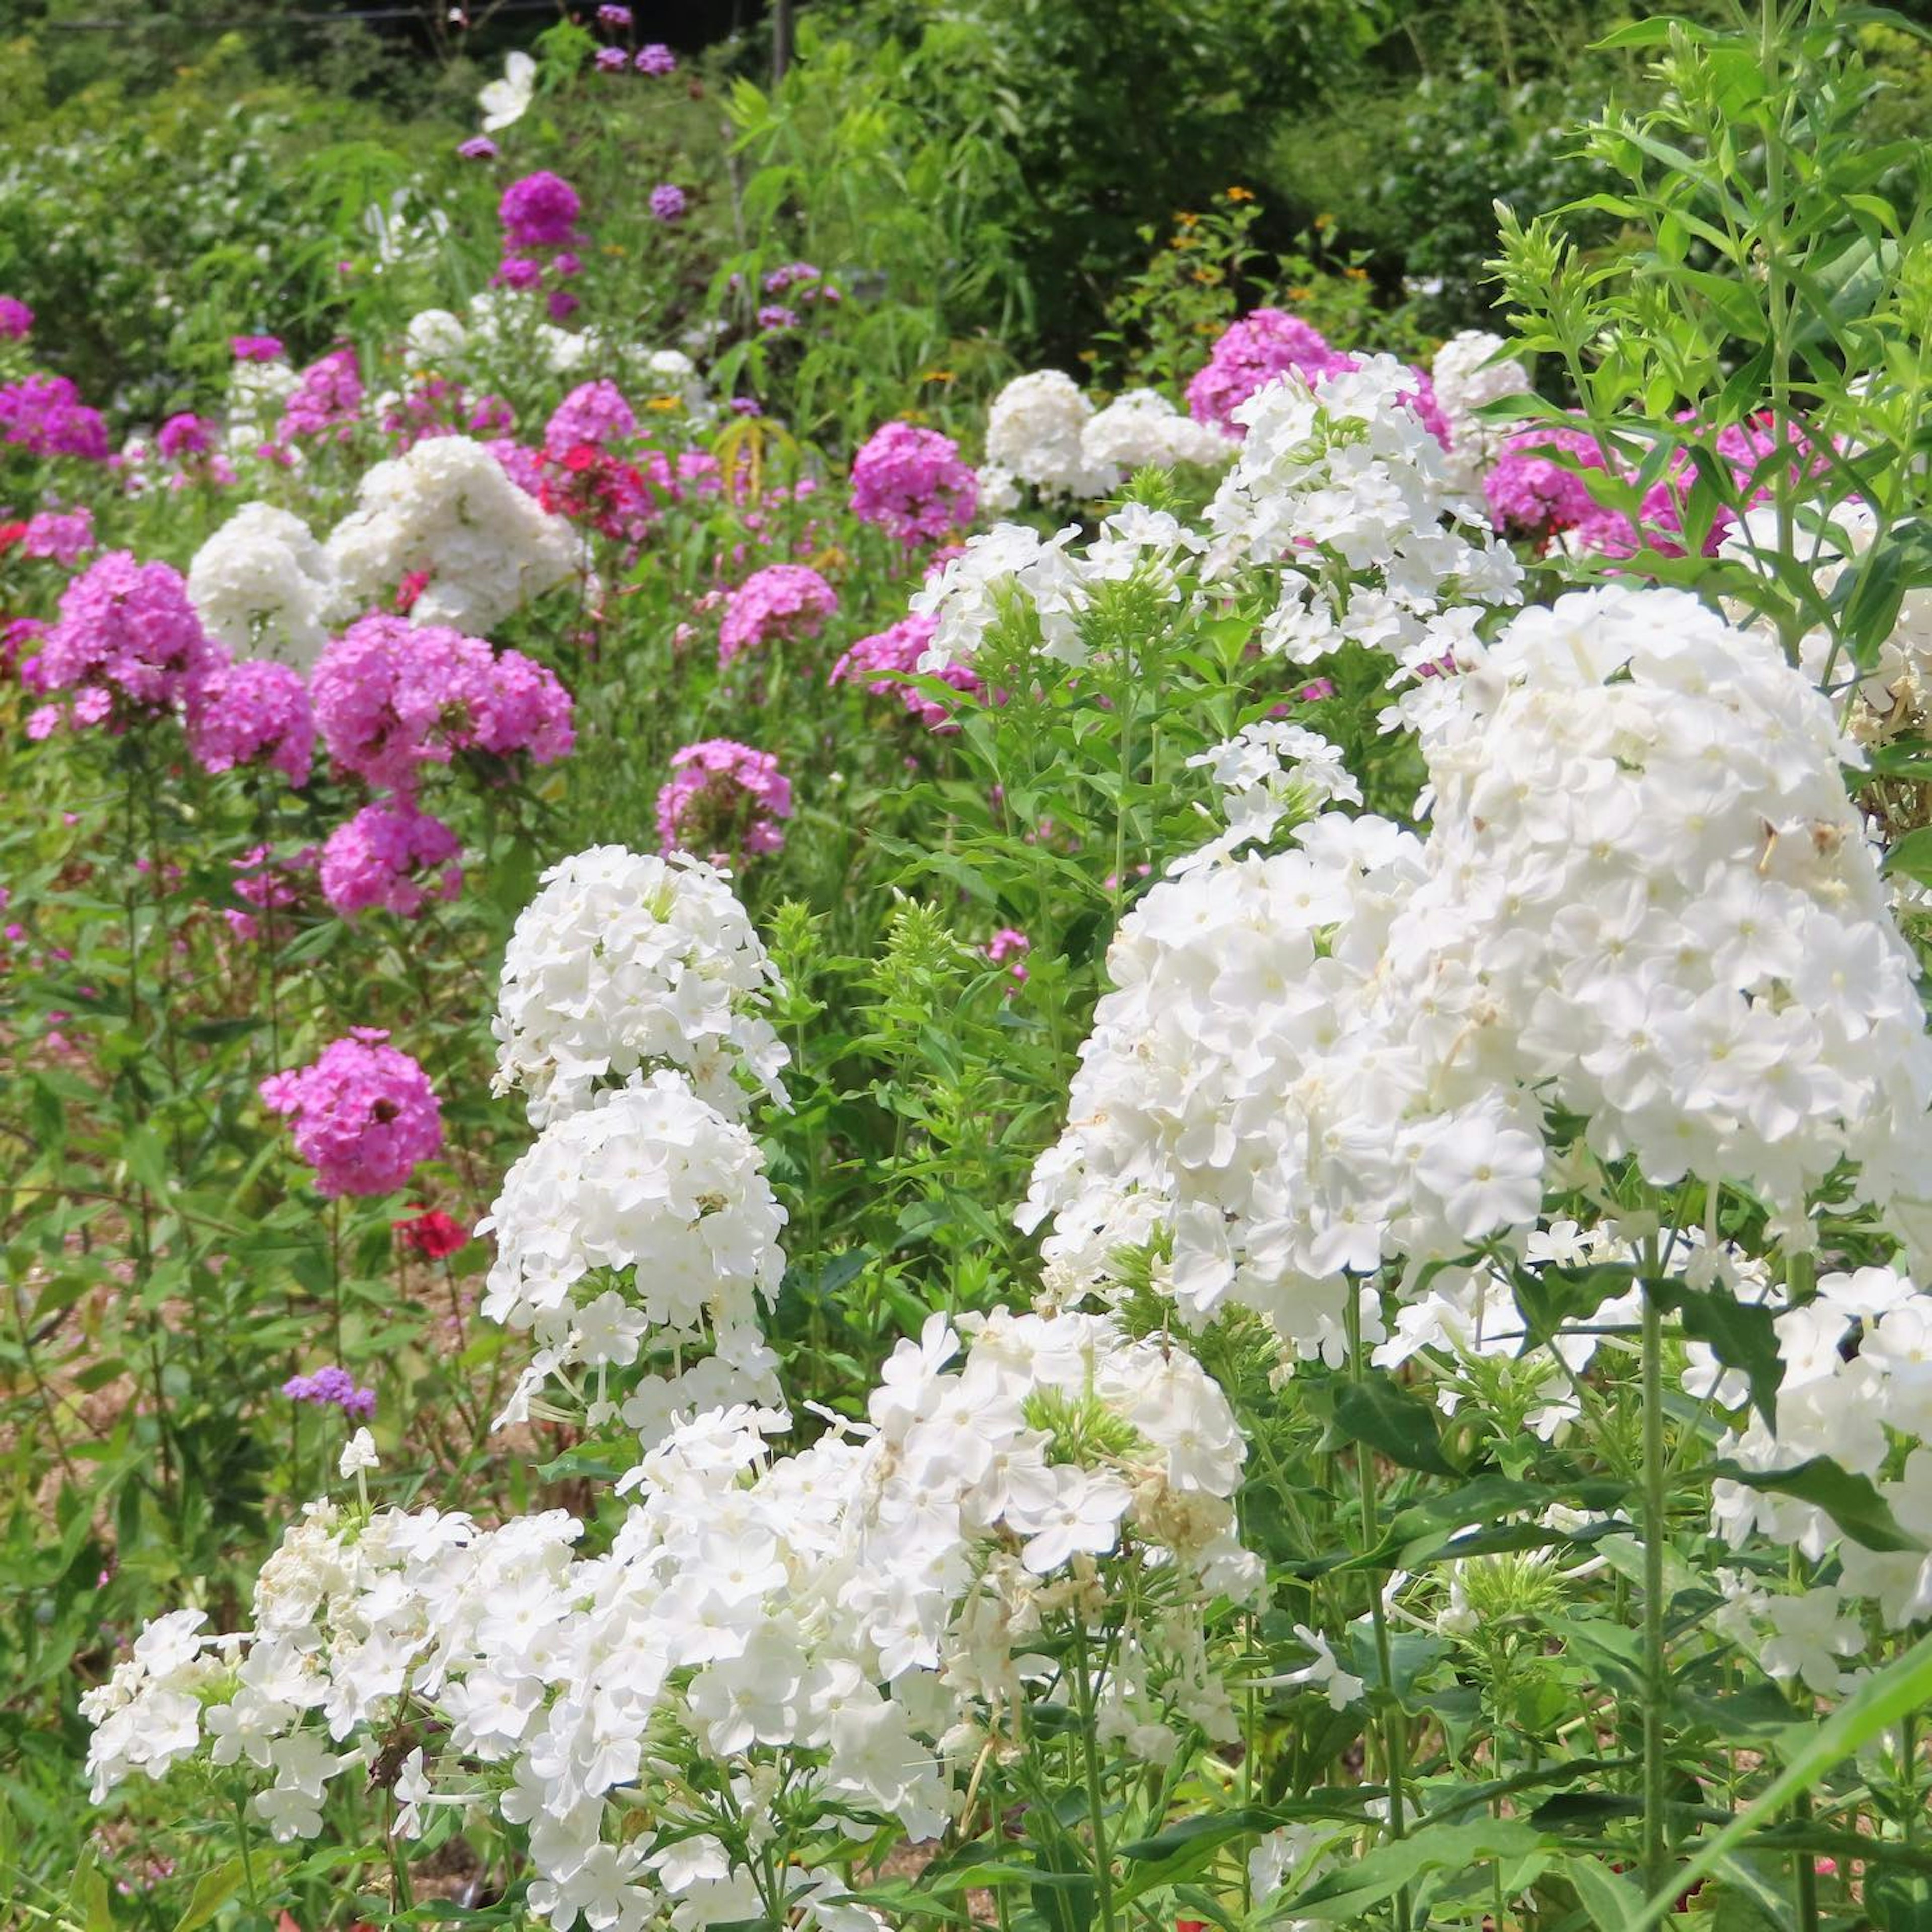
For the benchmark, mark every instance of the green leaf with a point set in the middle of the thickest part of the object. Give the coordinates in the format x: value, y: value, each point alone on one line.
x: 1849, y: 1499
x: 1611, y: 1901
x: 1742, y: 1336
x: 1900, y: 1901
x: 212, y: 1891
x: 1878, y: 1704
x: 87, y: 1895
x: 1384, y: 1416
x: 1869, y: 600
x: 1386, y: 1870
x: 1911, y: 857
x: 1550, y: 1296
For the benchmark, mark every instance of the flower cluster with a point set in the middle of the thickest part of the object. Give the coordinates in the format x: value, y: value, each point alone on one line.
x: 593, y: 413
x: 642, y: 1225
x: 723, y: 800
x: 1011, y: 575
x: 44, y: 415
x: 1249, y: 354
x: 392, y: 855
x: 57, y: 536
x: 538, y: 214
x: 1316, y: 1064
x: 254, y: 712
x: 886, y: 662
x: 854, y: 1624
x: 326, y: 401
x: 1856, y: 1386
x: 1341, y: 490
x: 788, y: 601
x: 331, y: 1388
x: 1034, y: 432
x: 447, y: 511
x: 363, y: 1115
x: 263, y: 585
x: 912, y: 484
x: 622, y: 964
x: 1142, y: 429
x: 128, y: 643
x: 391, y: 697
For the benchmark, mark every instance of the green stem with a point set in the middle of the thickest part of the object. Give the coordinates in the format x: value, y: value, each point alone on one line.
x: 1394, y: 1744
x: 1103, y: 1876
x: 1656, y: 1671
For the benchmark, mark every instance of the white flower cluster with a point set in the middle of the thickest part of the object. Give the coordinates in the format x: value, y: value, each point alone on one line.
x: 640, y: 1228
x: 446, y: 509
x: 624, y: 963
x: 1141, y: 429
x: 768, y: 1644
x: 1342, y: 492
x: 1043, y: 433
x: 1645, y: 900
x: 1034, y: 432
x: 256, y: 391
x: 1013, y: 571
x: 263, y: 585
x: 1468, y: 371
x: 1856, y: 1387
x: 650, y: 1186
x: 1268, y: 771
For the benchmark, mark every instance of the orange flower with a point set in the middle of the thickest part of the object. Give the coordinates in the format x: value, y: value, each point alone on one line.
x: 1324, y: 223
x: 938, y: 376
x: 1240, y: 194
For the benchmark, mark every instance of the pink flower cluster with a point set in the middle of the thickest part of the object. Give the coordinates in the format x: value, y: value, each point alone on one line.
x: 1263, y: 344
x: 17, y: 319
x: 1009, y: 943
x: 256, y: 348
x: 593, y: 413
x: 363, y: 1114
x: 1532, y: 496
x: 1269, y: 342
x: 257, y: 711
x: 128, y: 641
x: 392, y: 855
x: 328, y: 401
x: 184, y: 435
x: 786, y: 601
x: 44, y: 415
x: 58, y: 536
x: 888, y: 660
x: 267, y: 884
x: 912, y: 484
x: 438, y: 406
x: 724, y: 799
x: 390, y: 698
x: 539, y: 213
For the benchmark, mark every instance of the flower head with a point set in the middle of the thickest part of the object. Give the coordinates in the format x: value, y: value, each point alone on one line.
x: 723, y: 798
x: 363, y: 1114
x: 789, y: 601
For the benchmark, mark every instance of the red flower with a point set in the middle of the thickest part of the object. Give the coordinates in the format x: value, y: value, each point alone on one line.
x: 414, y: 583
x: 10, y: 534
x: 431, y: 1234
